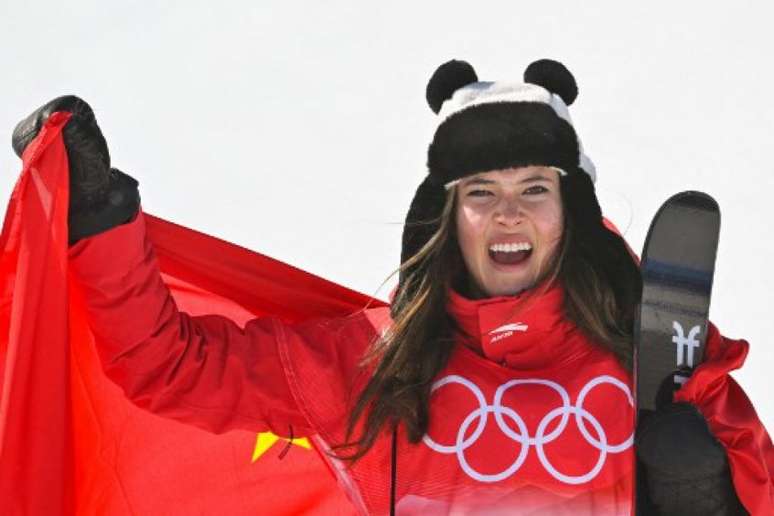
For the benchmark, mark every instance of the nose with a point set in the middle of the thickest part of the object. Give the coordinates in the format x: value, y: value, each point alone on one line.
x: 509, y: 212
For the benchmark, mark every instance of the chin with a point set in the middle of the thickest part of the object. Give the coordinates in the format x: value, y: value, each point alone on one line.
x: 506, y: 290
x: 501, y: 287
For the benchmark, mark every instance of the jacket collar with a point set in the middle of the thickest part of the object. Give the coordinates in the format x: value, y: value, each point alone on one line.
x: 527, y: 331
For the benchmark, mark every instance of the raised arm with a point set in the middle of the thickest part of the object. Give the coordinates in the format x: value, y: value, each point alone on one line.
x: 203, y: 370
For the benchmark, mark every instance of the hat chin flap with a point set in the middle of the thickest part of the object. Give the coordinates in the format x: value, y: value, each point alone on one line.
x: 553, y: 76
x: 448, y: 78
x: 423, y: 218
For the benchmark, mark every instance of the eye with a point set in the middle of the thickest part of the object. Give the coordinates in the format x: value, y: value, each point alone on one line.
x: 479, y: 193
x: 536, y: 190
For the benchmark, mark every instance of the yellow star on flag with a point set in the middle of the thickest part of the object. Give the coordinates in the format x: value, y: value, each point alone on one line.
x: 266, y: 440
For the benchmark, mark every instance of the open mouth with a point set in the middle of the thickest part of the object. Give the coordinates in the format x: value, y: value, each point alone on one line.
x: 510, y: 254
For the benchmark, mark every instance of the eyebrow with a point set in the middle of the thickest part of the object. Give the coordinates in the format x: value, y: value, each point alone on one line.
x: 483, y: 181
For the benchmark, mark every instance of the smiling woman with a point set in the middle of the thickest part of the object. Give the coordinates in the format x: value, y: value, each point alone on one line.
x: 499, y: 379
x: 524, y: 214
x: 509, y: 225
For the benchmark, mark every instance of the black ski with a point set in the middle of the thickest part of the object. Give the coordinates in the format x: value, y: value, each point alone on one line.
x: 678, y: 265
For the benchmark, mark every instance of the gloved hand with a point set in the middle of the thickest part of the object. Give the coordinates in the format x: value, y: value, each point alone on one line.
x: 686, y: 468
x: 100, y: 197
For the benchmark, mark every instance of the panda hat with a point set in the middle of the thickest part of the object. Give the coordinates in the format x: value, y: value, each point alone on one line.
x: 484, y: 126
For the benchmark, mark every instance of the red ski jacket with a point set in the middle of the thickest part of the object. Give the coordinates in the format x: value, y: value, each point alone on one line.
x: 529, y: 416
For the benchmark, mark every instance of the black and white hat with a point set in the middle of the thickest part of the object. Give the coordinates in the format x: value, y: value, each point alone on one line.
x: 486, y: 126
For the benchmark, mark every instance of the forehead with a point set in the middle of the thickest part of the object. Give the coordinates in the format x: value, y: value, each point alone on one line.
x: 513, y: 175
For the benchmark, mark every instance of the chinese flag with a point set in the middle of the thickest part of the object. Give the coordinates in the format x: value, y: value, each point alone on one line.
x: 70, y: 443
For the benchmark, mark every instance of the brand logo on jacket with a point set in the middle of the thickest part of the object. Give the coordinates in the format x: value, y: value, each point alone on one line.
x: 582, y: 417
x: 506, y: 331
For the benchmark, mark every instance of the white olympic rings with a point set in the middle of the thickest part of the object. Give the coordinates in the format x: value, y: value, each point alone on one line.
x: 522, y: 436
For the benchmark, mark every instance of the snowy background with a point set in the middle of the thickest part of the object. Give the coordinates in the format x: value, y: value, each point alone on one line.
x: 299, y: 130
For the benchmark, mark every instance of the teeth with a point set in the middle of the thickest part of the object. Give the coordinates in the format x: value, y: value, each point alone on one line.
x: 510, y: 248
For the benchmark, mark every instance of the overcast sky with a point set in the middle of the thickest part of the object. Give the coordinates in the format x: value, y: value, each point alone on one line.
x: 299, y: 130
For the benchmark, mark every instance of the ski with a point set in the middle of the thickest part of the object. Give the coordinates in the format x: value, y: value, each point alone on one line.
x: 678, y: 265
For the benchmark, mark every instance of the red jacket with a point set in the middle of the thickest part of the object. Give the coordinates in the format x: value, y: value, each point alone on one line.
x: 529, y: 417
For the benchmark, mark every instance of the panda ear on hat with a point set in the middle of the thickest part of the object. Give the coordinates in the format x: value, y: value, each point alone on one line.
x: 448, y: 78
x: 553, y: 76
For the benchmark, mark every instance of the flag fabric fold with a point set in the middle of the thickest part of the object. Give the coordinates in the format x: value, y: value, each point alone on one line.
x: 36, y: 455
x: 733, y: 421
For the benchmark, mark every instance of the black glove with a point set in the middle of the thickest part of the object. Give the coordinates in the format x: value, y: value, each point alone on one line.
x: 685, y: 468
x: 100, y: 197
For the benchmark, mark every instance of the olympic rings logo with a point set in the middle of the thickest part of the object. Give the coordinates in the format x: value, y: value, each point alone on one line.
x: 480, y: 416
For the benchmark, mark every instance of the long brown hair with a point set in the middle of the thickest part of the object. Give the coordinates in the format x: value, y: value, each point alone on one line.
x: 601, y: 282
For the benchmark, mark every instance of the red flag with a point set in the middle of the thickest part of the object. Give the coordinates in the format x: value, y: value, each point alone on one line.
x: 70, y: 442
x: 36, y: 452
x: 733, y: 421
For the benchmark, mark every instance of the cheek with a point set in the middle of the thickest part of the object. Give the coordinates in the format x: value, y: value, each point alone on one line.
x: 470, y: 231
x: 550, y: 224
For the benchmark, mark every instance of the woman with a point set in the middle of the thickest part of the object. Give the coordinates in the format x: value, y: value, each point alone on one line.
x: 498, y: 382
